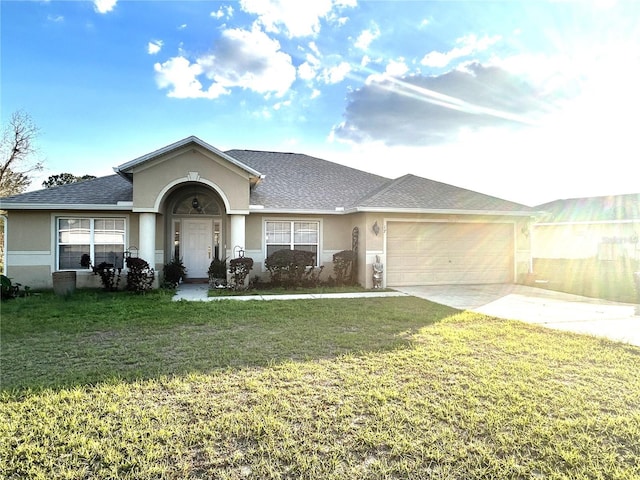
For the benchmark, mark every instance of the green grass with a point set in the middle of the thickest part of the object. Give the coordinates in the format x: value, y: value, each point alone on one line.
x: 269, y: 290
x: 118, y: 386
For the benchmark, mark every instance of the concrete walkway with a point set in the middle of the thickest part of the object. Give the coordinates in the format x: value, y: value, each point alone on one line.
x: 197, y: 292
x: 563, y: 311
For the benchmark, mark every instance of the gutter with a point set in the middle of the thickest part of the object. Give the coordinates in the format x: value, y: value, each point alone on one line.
x: 121, y: 206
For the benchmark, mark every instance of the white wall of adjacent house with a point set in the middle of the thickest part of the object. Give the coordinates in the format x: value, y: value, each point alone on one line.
x: 602, y: 240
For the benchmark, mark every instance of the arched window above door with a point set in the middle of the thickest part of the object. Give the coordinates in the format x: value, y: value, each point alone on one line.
x: 197, y: 203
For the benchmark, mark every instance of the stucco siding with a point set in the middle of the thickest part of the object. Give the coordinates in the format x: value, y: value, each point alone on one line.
x: 150, y: 179
x: 29, y: 231
x: 33, y: 276
x: 335, y: 236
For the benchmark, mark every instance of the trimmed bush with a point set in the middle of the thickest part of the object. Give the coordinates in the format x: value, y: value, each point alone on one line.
x: 109, y: 276
x: 173, y: 272
x: 343, y: 263
x: 293, y: 268
x: 240, y: 268
x: 140, y: 275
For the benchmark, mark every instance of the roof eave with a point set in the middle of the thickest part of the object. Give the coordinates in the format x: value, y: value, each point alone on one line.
x: 120, y: 206
x: 442, y: 211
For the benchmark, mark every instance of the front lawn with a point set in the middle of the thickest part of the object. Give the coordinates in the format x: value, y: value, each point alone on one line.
x: 119, y: 386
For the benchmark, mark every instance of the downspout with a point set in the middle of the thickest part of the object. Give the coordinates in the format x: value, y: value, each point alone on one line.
x: 5, y: 222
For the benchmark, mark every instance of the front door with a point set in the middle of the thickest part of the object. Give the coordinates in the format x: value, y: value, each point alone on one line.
x: 197, y: 245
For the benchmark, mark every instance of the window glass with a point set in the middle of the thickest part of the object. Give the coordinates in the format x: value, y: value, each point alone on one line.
x: 306, y: 232
x: 100, y: 240
x: 279, y: 232
x: 206, y: 204
x: 292, y: 236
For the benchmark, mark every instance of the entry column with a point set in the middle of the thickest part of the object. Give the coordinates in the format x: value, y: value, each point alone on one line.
x: 147, y: 238
x: 237, y: 234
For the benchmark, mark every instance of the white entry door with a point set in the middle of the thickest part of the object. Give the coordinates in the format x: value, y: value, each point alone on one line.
x: 197, y: 241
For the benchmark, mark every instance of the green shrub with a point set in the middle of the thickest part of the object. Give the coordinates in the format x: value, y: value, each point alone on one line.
x: 343, y: 267
x: 109, y: 276
x: 293, y: 268
x: 217, y: 273
x: 140, y: 275
x: 240, y: 268
x: 173, y: 272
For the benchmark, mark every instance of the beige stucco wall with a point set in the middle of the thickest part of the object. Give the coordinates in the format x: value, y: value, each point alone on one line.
x: 335, y: 231
x: 151, y: 178
x: 31, y: 245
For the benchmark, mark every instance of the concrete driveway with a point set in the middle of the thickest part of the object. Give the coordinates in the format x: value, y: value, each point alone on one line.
x: 563, y: 311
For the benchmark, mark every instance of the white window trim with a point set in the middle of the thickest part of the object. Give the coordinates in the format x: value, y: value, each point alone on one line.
x: 292, y: 244
x: 56, y: 239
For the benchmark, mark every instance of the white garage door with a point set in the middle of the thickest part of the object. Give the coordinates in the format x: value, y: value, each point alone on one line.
x: 449, y: 253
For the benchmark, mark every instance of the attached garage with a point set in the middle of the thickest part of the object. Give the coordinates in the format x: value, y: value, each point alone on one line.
x: 437, y: 253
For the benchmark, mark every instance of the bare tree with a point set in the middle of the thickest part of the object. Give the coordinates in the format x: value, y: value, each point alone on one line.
x: 18, y: 154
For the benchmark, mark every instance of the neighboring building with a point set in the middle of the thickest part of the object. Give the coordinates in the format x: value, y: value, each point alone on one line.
x: 602, y: 228
x: 195, y: 202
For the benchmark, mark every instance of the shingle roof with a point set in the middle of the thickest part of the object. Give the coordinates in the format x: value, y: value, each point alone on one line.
x: 292, y: 182
x: 300, y: 182
x: 602, y: 208
x: 417, y: 193
x: 98, y: 191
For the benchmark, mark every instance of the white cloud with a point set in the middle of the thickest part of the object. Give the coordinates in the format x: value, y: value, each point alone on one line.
x: 154, y: 46
x: 315, y: 93
x: 241, y: 59
x: 467, y: 45
x: 394, y: 68
x: 55, y: 18
x: 367, y: 36
x: 223, y: 12
x: 180, y: 77
x: 336, y: 74
x: 104, y: 6
x: 296, y: 18
x: 307, y: 71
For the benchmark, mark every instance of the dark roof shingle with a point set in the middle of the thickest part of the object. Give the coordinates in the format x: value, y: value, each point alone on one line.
x: 602, y: 208
x: 300, y: 182
x: 98, y: 191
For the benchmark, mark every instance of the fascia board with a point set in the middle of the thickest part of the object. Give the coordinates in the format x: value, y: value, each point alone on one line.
x: 589, y: 222
x: 183, y: 143
x: 514, y: 213
x: 52, y: 206
x: 288, y: 211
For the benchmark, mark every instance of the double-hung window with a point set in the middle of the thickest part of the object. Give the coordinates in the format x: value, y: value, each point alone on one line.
x: 292, y: 235
x: 90, y: 239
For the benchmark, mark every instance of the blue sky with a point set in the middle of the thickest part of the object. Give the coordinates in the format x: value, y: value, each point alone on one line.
x: 529, y: 101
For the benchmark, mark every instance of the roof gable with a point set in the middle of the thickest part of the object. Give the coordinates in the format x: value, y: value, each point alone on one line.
x: 127, y: 168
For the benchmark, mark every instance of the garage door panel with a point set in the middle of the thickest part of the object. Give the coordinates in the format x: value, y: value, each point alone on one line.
x: 442, y: 253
